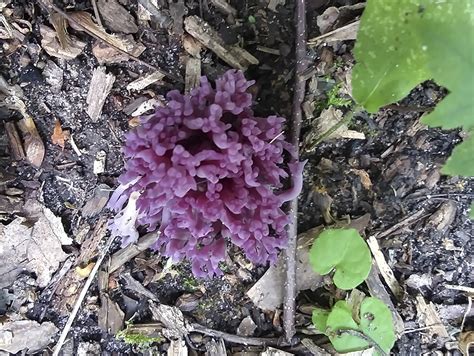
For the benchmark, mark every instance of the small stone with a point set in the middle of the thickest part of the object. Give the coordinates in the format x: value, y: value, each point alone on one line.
x: 247, y: 327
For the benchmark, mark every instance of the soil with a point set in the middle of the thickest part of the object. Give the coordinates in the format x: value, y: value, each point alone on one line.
x: 392, y: 175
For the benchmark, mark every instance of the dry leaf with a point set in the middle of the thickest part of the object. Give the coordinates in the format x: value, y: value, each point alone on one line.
x: 59, y: 136
x: 86, y: 271
x: 364, y: 178
x: 27, y: 335
x: 32, y: 247
x: 466, y: 339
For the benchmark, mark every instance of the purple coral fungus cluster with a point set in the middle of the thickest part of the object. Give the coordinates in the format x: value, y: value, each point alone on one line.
x: 206, y: 172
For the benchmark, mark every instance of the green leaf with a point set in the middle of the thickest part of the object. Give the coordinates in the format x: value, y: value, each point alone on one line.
x: 448, y: 33
x: 402, y: 43
x: 461, y: 161
x: 377, y: 323
x: 319, y: 319
x: 346, y: 251
x: 388, y: 51
x: 341, y: 318
x: 471, y: 215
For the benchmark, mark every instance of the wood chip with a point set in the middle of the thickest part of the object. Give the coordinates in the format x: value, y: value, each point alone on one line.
x: 106, y: 54
x: 232, y: 54
x: 384, y: 268
x: 172, y: 318
x: 110, y: 316
x: 428, y: 317
x: 192, y: 46
x: 177, y: 348
x: 14, y: 141
x: 330, y: 117
x: 127, y: 253
x: 133, y: 285
x: 215, y: 347
x: 33, y: 145
x: 193, y: 74
x: 99, y: 162
x: 143, y: 82
x: 52, y: 46
x: 225, y: 7
x: 160, y: 17
x: 273, y: 4
x: 99, y: 88
x: 97, y: 202
x: 116, y: 17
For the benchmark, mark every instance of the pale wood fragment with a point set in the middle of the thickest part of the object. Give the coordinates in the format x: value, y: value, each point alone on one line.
x: 143, y: 82
x: 193, y: 73
x: 100, y: 86
x: 127, y: 253
x: 384, y: 268
x: 224, y: 6
x: 232, y: 54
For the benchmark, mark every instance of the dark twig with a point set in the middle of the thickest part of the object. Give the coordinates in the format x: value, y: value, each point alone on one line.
x: 361, y: 335
x: 298, y: 97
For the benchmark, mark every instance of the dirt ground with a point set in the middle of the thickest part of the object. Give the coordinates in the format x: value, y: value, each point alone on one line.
x: 393, y: 175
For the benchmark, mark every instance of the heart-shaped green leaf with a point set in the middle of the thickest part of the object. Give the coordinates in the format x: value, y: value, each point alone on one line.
x: 340, y: 318
x: 377, y: 323
x: 345, y: 251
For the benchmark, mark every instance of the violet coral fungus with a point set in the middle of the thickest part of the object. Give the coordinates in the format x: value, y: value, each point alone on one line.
x: 206, y: 172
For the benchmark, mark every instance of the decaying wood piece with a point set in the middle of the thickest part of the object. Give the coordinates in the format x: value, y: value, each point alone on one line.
x: 215, y: 348
x: 116, y: 17
x: 90, y: 246
x: 161, y: 17
x: 377, y: 290
x: 132, y: 284
x: 110, y: 316
x: 179, y: 348
x: 193, y: 73
x: 127, y: 253
x: 51, y: 44
x: 428, y: 316
x: 224, y: 6
x: 233, y: 55
x: 14, y: 142
x: 99, y: 88
x: 32, y: 143
x: 175, y: 326
x: 109, y: 54
x: 384, y: 268
x: 143, y: 82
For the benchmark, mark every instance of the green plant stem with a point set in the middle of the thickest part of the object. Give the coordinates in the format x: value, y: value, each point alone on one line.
x: 361, y: 335
x: 345, y: 120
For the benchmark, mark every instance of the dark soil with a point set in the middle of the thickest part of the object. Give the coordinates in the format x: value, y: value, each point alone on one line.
x: 401, y: 157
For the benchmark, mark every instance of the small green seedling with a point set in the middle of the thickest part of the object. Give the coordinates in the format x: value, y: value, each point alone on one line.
x: 373, y: 327
x: 334, y: 98
x: 344, y: 251
x: 133, y: 337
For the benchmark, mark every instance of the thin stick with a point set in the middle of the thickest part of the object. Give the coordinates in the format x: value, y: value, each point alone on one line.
x: 96, y: 13
x: 298, y: 97
x: 48, y: 4
x: 248, y: 341
x: 81, y: 297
